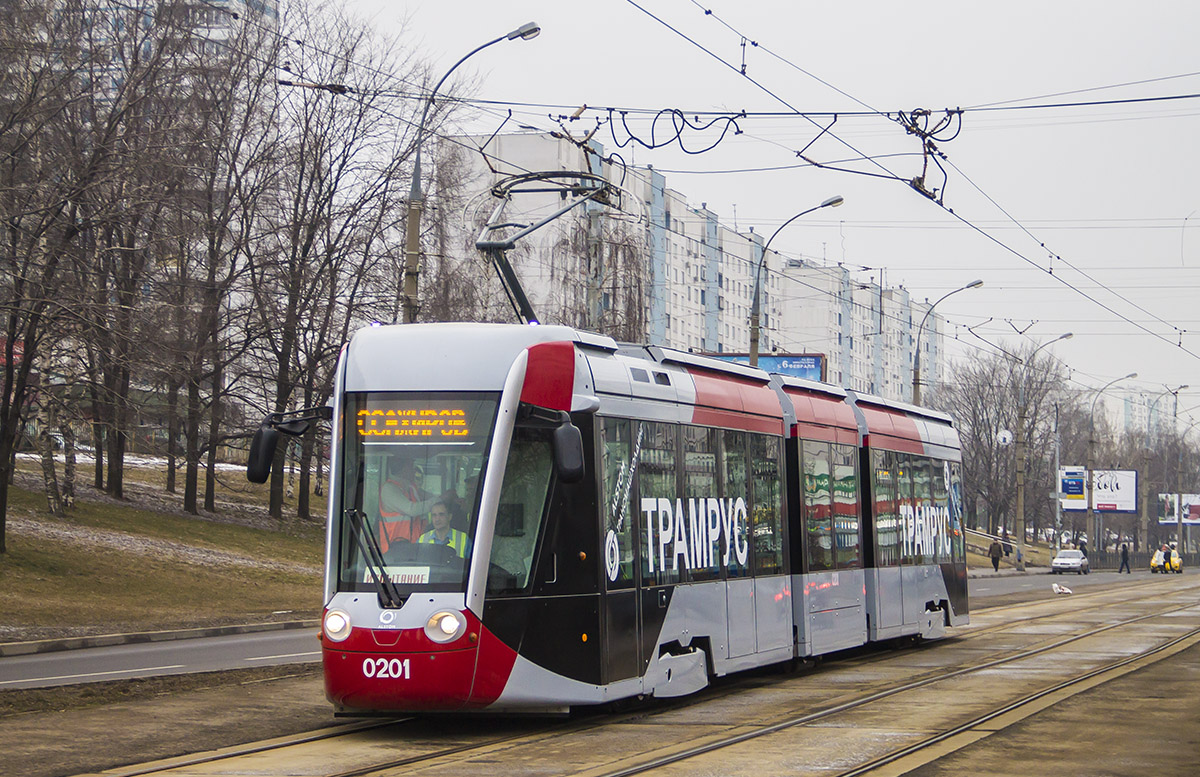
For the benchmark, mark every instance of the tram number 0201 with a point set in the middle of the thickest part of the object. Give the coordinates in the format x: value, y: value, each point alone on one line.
x: 386, y: 668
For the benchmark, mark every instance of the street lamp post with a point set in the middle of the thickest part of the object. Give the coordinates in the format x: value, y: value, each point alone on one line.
x: 917, y: 350
x: 1019, y: 523
x: 1177, y: 489
x: 1090, y: 523
x: 416, y: 199
x: 832, y: 202
x: 1144, y: 524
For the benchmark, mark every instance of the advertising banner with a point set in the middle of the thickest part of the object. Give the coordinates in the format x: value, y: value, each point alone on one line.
x: 1116, y: 490
x: 810, y: 366
x: 1170, y: 505
x: 1072, y: 488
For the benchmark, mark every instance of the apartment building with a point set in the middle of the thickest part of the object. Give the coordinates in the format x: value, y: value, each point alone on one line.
x: 692, y: 276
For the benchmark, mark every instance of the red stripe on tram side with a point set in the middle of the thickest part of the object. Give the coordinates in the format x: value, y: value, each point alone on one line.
x: 550, y: 376
x: 823, y: 418
x: 892, y: 430
x: 735, y: 403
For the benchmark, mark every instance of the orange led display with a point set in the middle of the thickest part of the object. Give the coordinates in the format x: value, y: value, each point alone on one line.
x: 413, y: 422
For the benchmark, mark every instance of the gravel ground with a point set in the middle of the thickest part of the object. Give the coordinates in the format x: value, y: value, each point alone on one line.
x: 88, y: 729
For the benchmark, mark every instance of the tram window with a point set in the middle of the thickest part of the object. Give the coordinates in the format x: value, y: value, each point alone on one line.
x: 922, y: 499
x: 522, y: 506
x: 954, y: 479
x: 941, y: 511
x: 905, y: 511
x: 700, y: 453
x: 735, y: 486
x: 848, y: 542
x: 887, y: 534
x: 766, y: 501
x: 618, y: 466
x: 658, y: 496
x: 915, y: 524
x: 818, y: 506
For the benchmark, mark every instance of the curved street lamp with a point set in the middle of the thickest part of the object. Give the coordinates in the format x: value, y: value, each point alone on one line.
x: 832, y: 202
x: 1019, y: 522
x: 1144, y: 524
x: 1090, y: 524
x: 917, y: 351
x: 416, y: 199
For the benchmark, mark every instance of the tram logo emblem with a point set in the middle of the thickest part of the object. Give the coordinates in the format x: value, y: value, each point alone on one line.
x: 387, y: 616
x: 612, y: 555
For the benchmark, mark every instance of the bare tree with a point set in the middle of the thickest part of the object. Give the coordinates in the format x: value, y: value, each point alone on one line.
x: 339, y: 201
x: 985, y: 398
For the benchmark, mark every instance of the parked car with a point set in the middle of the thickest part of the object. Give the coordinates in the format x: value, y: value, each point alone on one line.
x: 1070, y: 561
x: 1173, y: 564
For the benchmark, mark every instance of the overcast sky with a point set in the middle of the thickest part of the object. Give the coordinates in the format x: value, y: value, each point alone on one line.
x: 1107, y: 197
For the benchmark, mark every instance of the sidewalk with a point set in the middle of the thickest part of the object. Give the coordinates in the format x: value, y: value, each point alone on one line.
x: 105, y: 640
x: 974, y: 572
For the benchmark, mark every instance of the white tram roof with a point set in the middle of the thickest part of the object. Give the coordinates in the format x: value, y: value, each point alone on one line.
x: 449, y: 356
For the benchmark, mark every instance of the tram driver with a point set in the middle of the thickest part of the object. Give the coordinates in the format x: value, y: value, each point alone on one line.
x: 443, y: 534
x: 402, y: 504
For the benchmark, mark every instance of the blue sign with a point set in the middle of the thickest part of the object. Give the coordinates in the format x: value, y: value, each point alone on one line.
x: 810, y: 366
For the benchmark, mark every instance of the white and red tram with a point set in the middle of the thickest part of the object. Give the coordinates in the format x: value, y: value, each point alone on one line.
x: 705, y: 518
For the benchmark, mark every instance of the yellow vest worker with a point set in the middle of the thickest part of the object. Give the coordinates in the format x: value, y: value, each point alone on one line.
x: 442, y: 534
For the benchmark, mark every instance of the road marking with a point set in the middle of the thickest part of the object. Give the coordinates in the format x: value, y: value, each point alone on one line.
x: 91, y: 674
x: 286, y: 655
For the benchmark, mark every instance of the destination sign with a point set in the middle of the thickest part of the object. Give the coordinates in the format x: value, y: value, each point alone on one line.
x: 407, y: 422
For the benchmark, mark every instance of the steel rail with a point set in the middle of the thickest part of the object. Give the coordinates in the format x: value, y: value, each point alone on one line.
x: 853, y: 704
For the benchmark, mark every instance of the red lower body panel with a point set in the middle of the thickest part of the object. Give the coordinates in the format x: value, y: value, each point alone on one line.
x: 441, y: 679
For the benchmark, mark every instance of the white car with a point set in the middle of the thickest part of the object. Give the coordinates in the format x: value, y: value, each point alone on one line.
x: 1070, y: 561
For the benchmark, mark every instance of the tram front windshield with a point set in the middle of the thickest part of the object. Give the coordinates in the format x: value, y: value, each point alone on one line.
x: 411, y: 488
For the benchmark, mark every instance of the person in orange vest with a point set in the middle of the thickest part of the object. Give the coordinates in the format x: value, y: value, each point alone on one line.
x: 402, y: 506
x: 442, y: 534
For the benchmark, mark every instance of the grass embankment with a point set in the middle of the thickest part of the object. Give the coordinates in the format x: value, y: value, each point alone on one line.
x: 73, y: 576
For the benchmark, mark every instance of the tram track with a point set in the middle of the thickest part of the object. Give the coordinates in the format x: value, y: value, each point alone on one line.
x: 422, y: 752
x: 915, y: 751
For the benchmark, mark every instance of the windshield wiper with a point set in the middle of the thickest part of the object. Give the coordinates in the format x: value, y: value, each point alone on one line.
x: 389, y: 595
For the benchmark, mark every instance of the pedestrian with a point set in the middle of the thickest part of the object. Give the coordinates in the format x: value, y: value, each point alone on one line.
x: 1125, y: 559
x: 994, y: 553
x: 1007, y: 544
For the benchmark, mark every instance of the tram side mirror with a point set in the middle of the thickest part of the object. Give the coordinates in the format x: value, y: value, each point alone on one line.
x: 262, y: 453
x: 568, y: 452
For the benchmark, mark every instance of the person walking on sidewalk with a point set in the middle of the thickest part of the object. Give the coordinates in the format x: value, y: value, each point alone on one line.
x: 1124, y: 559
x: 995, y: 551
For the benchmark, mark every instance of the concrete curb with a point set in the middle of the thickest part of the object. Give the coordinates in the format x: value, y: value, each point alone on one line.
x: 105, y: 640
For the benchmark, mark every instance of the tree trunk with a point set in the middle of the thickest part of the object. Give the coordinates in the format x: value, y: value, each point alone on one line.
x: 45, y: 447
x: 319, y: 487
x: 68, y: 485
x: 306, y: 456
x: 214, y: 436
x: 172, y: 431
x: 192, y: 453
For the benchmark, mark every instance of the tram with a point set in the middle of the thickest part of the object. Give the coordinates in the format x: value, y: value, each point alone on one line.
x: 612, y: 521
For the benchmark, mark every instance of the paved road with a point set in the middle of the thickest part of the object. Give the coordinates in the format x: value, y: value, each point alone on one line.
x: 238, y: 651
x: 118, y: 662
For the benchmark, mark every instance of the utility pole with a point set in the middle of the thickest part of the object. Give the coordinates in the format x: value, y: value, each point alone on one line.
x: 1057, y: 486
x: 1021, y: 450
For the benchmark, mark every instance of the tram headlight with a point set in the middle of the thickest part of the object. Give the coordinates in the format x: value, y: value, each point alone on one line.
x: 445, y: 626
x: 337, y: 625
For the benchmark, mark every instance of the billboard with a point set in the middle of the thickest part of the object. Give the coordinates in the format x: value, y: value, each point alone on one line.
x: 810, y: 366
x: 1170, y: 505
x: 1116, y: 490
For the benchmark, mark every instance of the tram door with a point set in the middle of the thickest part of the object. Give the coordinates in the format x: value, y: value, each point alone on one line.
x: 622, y: 653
